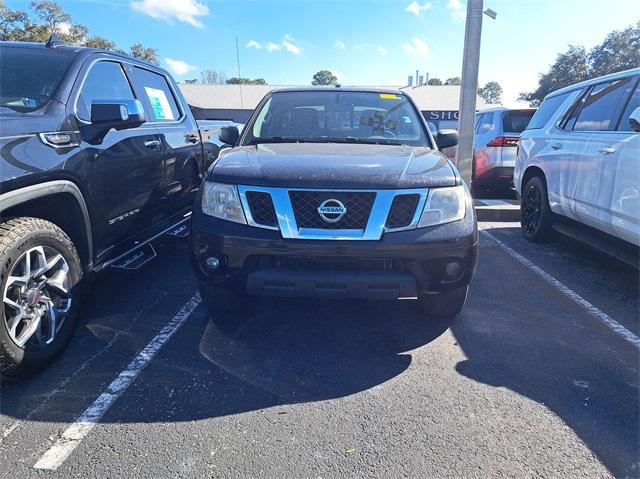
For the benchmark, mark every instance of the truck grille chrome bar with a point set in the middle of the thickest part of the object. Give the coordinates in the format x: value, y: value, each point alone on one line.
x: 299, y: 212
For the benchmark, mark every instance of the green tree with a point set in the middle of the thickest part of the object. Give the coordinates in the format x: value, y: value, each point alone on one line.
x: 324, y: 77
x: 213, y: 77
x: 434, y: 81
x: 619, y: 51
x: 491, y: 92
x: 148, y: 54
x: 12, y: 23
x: 246, y: 81
x: 453, y: 81
x: 101, y: 43
x: 49, y: 18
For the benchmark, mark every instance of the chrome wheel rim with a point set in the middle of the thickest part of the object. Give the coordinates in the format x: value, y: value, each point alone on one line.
x: 532, y: 209
x: 37, y: 297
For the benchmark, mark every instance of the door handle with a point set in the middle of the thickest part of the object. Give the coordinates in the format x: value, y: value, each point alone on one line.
x: 152, y: 144
x: 607, y: 150
x: 192, y: 139
x: 556, y: 146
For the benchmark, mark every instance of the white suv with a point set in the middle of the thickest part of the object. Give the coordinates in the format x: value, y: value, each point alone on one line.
x: 579, y: 160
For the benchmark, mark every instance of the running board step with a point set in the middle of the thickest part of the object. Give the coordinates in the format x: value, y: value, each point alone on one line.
x: 609, y: 245
x: 136, y: 259
x: 181, y: 231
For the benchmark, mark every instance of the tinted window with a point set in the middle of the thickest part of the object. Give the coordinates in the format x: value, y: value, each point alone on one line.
x: 516, y: 121
x: 29, y: 77
x: 160, y: 100
x: 601, y: 106
x: 545, y: 112
x: 105, y: 81
x: 338, y: 116
x: 486, y: 124
x: 634, y: 102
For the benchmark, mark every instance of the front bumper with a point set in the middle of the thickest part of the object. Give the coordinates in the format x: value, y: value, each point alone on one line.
x: 399, y: 264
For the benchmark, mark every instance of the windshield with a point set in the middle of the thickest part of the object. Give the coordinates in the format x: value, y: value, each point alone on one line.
x: 29, y: 77
x: 337, y: 117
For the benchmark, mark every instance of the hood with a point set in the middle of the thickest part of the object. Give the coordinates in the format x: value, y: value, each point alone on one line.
x: 13, y: 123
x: 333, y: 165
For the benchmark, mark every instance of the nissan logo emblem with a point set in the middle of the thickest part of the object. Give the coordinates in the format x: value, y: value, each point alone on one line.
x: 332, y: 210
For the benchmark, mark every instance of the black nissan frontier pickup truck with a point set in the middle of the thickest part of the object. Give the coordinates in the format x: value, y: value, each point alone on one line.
x: 99, y: 154
x: 335, y: 192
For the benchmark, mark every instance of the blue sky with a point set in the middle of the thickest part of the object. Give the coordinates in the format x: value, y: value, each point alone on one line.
x: 363, y: 42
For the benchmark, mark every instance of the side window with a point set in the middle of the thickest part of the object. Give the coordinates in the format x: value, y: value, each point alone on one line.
x: 543, y: 114
x: 105, y: 81
x: 159, y: 97
x: 478, y: 120
x: 570, y: 119
x: 602, y: 106
x: 486, y: 124
x: 634, y: 102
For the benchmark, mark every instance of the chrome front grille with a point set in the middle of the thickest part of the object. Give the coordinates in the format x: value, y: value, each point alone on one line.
x: 306, y: 203
x: 365, y: 214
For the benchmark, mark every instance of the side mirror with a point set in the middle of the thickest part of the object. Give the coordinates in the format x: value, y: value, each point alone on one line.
x: 446, y: 138
x: 116, y: 114
x: 634, y: 120
x: 229, y: 135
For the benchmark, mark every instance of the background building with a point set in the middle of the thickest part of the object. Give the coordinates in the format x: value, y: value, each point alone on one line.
x: 438, y: 103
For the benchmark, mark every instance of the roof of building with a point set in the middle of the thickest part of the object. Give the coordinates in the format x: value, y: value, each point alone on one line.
x: 247, y: 97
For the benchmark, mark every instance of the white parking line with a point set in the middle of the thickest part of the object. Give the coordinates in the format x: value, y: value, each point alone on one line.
x: 74, y: 434
x: 569, y: 293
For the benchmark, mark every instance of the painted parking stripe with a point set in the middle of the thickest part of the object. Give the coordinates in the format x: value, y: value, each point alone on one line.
x: 74, y: 434
x: 569, y: 293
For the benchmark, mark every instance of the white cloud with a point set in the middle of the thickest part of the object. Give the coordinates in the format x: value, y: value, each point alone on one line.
x: 457, y: 9
x: 63, y: 28
x: 382, y: 51
x: 254, y: 44
x: 339, y: 45
x: 186, y: 11
x: 288, y: 45
x: 416, y: 47
x: 178, y: 67
x: 417, y: 9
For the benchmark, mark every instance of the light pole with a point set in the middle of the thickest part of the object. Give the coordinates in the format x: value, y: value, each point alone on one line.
x: 469, y: 89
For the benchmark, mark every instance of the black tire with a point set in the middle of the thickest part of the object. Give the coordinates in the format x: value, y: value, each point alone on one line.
x: 18, y: 236
x: 221, y: 297
x: 445, y: 304
x: 536, y: 217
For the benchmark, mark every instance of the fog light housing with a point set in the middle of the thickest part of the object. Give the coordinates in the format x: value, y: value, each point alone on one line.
x: 453, y: 270
x: 211, y: 265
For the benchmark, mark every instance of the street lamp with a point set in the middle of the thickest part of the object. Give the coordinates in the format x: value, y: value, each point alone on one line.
x: 469, y: 89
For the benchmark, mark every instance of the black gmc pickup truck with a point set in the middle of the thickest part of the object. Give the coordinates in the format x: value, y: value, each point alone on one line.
x: 99, y: 154
x: 335, y: 193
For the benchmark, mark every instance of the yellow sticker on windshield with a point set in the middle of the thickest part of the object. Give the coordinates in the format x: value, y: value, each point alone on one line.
x: 388, y: 96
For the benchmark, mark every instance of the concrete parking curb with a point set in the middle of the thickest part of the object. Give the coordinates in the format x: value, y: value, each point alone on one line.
x: 497, y: 210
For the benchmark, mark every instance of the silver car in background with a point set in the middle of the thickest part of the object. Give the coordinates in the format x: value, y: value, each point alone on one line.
x: 497, y: 131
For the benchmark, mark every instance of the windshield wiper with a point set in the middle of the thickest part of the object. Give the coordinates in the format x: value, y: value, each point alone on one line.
x: 276, y: 139
x: 371, y: 141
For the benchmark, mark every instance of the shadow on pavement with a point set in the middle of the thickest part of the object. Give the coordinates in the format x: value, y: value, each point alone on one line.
x: 276, y: 352
x: 279, y: 352
x: 540, y: 345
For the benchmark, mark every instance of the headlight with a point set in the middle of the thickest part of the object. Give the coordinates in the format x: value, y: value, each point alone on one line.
x: 444, y: 205
x: 222, y: 201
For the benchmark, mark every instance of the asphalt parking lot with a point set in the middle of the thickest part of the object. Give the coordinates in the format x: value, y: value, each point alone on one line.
x: 537, y: 378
